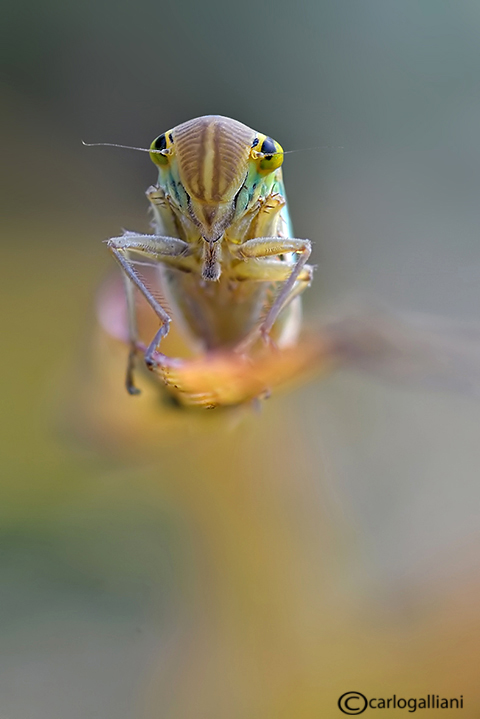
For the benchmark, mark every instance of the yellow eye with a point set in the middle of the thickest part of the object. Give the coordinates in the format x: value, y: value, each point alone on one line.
x: 162, y: 146
x: 268, y: 153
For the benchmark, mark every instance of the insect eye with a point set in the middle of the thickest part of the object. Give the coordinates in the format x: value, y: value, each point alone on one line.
x: 160, y: 150
x: 268, y: 153
x: 268, y: 146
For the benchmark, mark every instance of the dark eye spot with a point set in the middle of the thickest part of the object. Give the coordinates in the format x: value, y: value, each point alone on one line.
x: 255, y: 142
x: 160, y: 143
x: 170, y: 137
x: 268, y: 146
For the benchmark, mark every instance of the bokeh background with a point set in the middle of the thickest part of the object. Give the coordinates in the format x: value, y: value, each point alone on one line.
x: 156, y: 566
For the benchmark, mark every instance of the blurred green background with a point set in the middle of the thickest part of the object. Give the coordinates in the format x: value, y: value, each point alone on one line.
x: 328, y: 544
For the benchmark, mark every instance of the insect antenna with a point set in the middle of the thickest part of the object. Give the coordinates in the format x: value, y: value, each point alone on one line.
x: 308, y: 149
x: 123, y: 147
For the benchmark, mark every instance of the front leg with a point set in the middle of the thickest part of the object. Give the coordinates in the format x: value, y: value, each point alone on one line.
x: 149, y: 249
x: 262, y: 247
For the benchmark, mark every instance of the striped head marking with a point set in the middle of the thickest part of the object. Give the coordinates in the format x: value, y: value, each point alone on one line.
x: 213, y: 155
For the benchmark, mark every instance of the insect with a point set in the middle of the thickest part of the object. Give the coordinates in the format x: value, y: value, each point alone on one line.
x: 231, y: 272
x: 222, y: 245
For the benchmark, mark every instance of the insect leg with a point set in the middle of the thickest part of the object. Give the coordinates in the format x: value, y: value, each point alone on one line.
x: 153, y: 248
x: 132, y: 335
x: 263, y: 247
x: 269, y: 270
x: 149, y: 249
